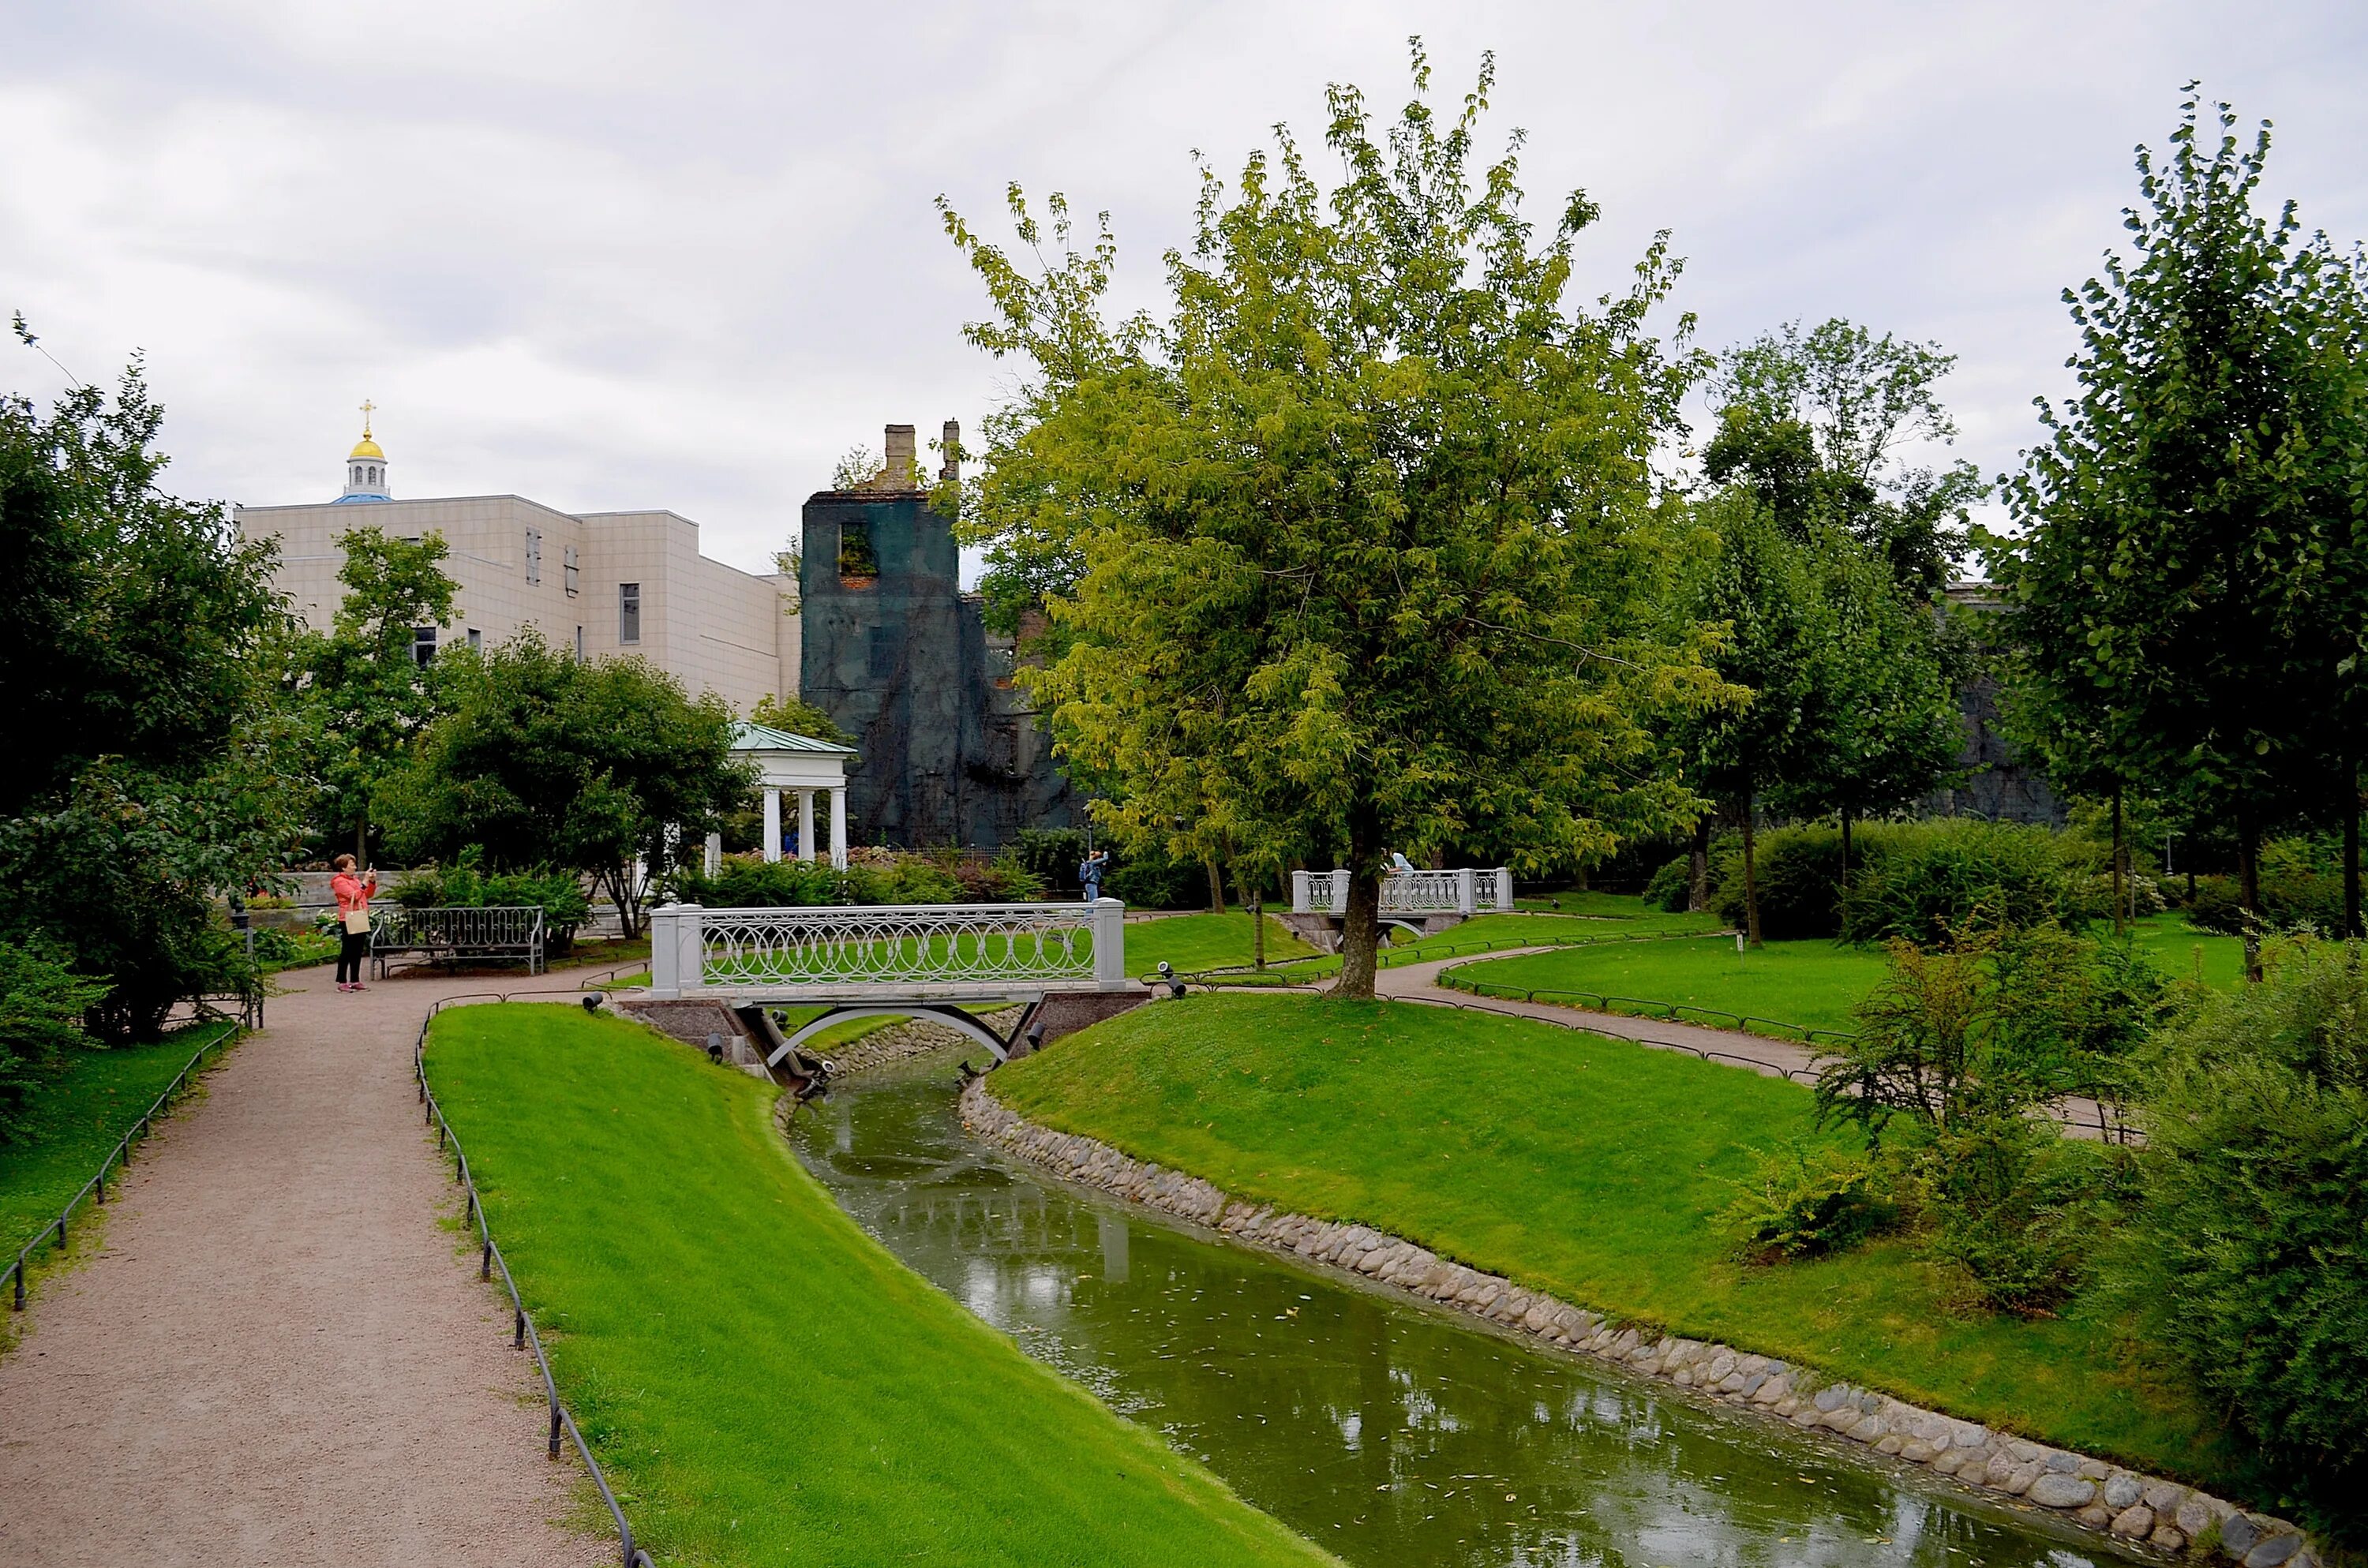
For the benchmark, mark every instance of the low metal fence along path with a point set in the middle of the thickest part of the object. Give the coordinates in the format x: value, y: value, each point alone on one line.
x: 94, y: 1190
x: 523, y: 1335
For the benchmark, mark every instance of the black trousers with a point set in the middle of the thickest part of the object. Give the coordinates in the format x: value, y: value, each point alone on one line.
x: 353, y: 946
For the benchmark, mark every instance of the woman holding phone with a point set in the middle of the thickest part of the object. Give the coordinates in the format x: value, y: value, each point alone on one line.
x: 353, y: 895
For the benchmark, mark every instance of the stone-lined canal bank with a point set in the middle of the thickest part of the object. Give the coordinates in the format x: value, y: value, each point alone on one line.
x: 2117, y: 1503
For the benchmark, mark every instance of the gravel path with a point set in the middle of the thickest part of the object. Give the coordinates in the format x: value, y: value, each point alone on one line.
x: 278, y: 1355
x: 1769, y: 1057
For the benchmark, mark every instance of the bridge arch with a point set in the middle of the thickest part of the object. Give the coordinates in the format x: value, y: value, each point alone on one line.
x: 951, y: 1018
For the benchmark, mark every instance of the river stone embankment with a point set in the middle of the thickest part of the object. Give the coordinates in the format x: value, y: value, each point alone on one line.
x: 2105, y: 1497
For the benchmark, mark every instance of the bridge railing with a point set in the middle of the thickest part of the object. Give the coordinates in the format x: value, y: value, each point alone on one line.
x: 1065, y: 945
x: 1467, y: 891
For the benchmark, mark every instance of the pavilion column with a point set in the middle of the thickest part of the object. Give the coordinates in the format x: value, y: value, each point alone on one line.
x: 838, y: 828
x: 712, y: 861
x: 805, y: 826
x: 773, y: 823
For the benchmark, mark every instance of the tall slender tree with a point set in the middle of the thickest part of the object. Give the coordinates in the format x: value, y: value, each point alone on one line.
x: 2187, y: 588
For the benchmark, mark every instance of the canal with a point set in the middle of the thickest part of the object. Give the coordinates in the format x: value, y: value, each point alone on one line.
x: 1390, y: 1432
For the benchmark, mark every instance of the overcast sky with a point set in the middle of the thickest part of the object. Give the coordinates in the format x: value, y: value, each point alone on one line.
x: 613, y: 255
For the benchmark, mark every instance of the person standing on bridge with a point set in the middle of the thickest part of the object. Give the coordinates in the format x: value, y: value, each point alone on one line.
x: 1090, y: 873
x: 353, y: 895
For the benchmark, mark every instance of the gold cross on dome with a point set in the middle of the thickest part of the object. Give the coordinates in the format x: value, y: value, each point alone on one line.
x: 367, y: 406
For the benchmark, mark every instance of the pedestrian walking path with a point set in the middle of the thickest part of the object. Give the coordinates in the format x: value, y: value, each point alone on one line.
x: 1769, y: 1057
x: 277, y: 1354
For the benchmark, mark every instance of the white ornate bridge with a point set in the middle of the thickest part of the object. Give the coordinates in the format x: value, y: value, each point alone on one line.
x: 1409, y: 893
x: 915, y: 959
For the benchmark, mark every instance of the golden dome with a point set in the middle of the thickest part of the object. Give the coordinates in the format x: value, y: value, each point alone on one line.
x: 366, y: 448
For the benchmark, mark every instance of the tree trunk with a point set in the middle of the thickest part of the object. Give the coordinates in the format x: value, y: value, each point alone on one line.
x: 2120, y: 866
x: 2248, y: 892
x: 1841, y: 889
x: 2352, y: 803
x: 1361, y: 935
x: 1750, y: 876
x: 1258, y: 929
x: 1582, y: 876
x: 361, y: 839
x: 1216, y: 888
x: 1698, y: 868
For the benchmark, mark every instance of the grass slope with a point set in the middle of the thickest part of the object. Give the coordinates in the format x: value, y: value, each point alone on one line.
x: 77, y: 1118
x: 1205, y: 941
x: 1588, y: 1166
x: 1811, y: 984
x: 765, y: 1383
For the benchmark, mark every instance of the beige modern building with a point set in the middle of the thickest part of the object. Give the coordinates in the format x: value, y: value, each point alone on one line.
x: 601, y: 583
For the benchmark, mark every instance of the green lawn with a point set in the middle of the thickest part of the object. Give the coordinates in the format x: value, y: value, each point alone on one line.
x: 763, y: 1382
x: 1610, y: 918
x: 1205, y: 941
x: 1587, y: 1166
x: 1806, y: 985
x: 76, y: 1120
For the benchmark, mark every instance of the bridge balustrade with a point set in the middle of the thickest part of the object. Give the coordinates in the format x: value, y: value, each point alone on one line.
x: 903, y: 951
x: 1466, y: 892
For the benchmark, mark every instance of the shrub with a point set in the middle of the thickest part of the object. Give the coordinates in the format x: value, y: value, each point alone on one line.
x: 465, y: 885
x: 1804, y: 1203
x: 1671, y: 888
x: 2295, y: 892
x: 2244, y: 1255
x: 2013, y: 1209
x: 873, y: 877
x: 1928, y: 881
x: 41, y: 1002
x: 1800, y: 879
x: 1052, y: 855
x: 1154, y: 882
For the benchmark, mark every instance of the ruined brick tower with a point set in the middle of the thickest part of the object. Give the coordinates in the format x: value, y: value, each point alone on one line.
x: 896, y: 652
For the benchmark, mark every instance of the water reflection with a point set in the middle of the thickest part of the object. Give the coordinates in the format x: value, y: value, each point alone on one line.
x: 1388, y: 1432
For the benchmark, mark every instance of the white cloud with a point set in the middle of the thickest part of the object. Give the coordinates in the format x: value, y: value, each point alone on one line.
x: 630, y: 255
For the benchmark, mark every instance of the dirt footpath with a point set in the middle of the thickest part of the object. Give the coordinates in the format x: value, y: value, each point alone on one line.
x: 278, y: 1357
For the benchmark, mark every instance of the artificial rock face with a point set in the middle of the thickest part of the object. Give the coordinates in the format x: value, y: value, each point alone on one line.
x: 899, y: 658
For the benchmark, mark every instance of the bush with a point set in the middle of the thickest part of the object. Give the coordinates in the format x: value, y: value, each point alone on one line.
x: 1802, y: 1203
x: 2013, y: 1209
x: 1800, y: 879
x: 1927, y: 881
x: 465, y: 885
x: 2295, y: 892
x: 1052, y: 855
x: 1671, y: 888
x: 2245, y: 1256
x: 873, y: 877
x: 1154, y: 882
x: 41, y: 1002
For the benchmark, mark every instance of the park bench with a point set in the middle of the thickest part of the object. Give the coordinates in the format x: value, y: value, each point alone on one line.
x: 504, y: 933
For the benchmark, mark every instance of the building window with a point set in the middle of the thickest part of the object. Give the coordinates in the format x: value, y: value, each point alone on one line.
x: 477, y: 640
x: 883, y: 652
x: 423, y: 644
x: 534, y: 555
x: 855, y: 555
x: 579, y: 644
x: 568, y: 568
x: 629, y: 612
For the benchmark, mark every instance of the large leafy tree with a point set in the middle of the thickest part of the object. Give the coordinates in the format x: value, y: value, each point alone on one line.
x: 1812, y: 424
x: 2190, y: 588
x: 1884, y: 726
x: 369, y: 692
x: 606, y: 768
x: 1360, y: 542
x: 150, y: 766
x: 1760, y: 586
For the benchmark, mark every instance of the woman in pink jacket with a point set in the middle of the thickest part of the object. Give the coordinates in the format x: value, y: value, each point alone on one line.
x: 353, y: 895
